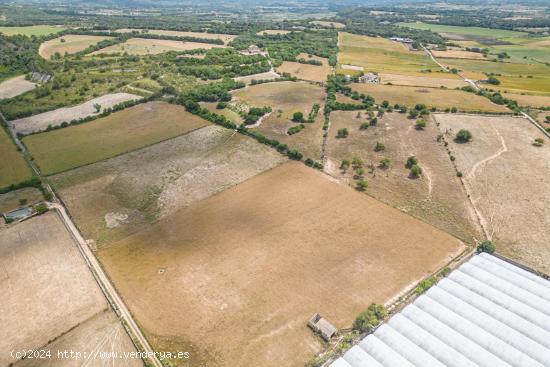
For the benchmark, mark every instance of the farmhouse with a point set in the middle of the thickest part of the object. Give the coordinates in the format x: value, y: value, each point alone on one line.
x: 488, y: 312
x: 402, y: 40
x: 254, y: 50
x: 369, y: 78
x: 321, y: 325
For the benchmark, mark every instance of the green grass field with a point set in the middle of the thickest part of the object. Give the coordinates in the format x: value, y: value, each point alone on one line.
x: 123, y: 131
x: 13, y: 168
x: 33, y: 30
x: 463, y: 31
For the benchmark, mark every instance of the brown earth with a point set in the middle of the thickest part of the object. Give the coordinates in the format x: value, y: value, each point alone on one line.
x: 235, y: 278
x: 144, y: 46
x: 315, y: 73
x: 437, y: 197
x: 509, y: 180
x: 15, y: 86
x: 445, y: 80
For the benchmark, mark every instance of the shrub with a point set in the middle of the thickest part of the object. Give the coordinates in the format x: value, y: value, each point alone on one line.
x: 454, y: 110
x: 486, y: 246
x: 295, y: 129
x: 425, y: 285
x: 342, y: 133
x: 357, y: 162
x: 411, y: 161
x: 459, y: 174
x: 298, y: 117
x: 547, y: 119
x: 374, y: 121
x: 413, y: 114
x: 539, y: 142
x: 344, y: 165
x: 416, y: 171
x: 420, y: 124
x: 379, y: 147
x: 41, y: 208
x: 362, y: 185
x: 463, y: 136
x: 370, y: 318
x: 364, y: 126
x: 384, y: 163
x: 221, y: 105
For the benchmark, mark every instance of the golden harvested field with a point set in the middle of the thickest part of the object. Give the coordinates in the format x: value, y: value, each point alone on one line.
x: 120, y: 132
x: 70, y: 44
x: 226, y: 38
x: 437, y: 197
x: 273, y: 31
x: 13, y: 168
x: 285, y: 98
x: 119, y: 196
x: 10, y: 201
x: 43, y: 276
x: 15, y: 86
x: 381, y: 55
x: 529, y: 99
x: 142, y: 46
x: 33, y: 30
x: 509, y: 180
x: 431, y: 97
x: 433, y: 80
x: 262, y: 258
x: 315, y: 73
x: 326, y: 24
x: 458, y: 54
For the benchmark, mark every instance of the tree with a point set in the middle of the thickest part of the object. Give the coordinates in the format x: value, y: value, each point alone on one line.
x: 379, y: 147
x: 420, y: 124
x: 413, y: 113
x: 416, y: 171
x: 41, y: 208
x: 411, y: 161
x: 384, y: 163
x: 463, y: 136
x: 97, y: 107
x: 492, y: 80
x: 486, y: 246
x: 343, y: 133
x: 374, y: 121
x: 370, y: 318
x: 357, y: 162
x: 344, y: 165
x: 362, y: 185
x: 298, y: 117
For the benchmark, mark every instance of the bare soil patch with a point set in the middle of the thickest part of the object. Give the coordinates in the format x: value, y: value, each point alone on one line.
x: 41, y: 121
x: 15, y: 86
x: 437, y: 197
x: 143, y: 46
x: 285, y: 98
x: 316, y: 73
x: 509, y: 180
x: 46, y: 286
x: 261, y: 259
x: 153, y: 182
x: 70, y: 43
x: 445, y: 80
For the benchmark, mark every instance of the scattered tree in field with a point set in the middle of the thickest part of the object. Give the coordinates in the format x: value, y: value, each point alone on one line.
x: 364, y: 126
x: 416, y: 171
x: 298, y: 117
x: 486, y: 246
x: 379, y: 147
x: 411, y: 161
x: 342, y: 133
x: 374, y: 121
x: 413, y: 113
x: 459, y: 174
x: 41, y: 208
x: 463, y: 136
x: 295, y: 129
x: 492, y: 80
x: 357, y: 162
x: 362, y: 185
x: 454, y: 110
x: 539, y: 142
x: 97, y: 107
x: 403, y: 109
x: 221, y: 105
x: 370, y: 318
x: 420, y: 124
x: 360, y: 172
x: 547, y: 119
x: 344, y: 165
x: 385, y: 163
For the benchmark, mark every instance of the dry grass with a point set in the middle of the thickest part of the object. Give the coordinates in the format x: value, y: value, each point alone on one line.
x: 458, y: 54
x: 116, y: 197
x: 529, y: 99
x: 262, y: 258
x: 226, y: 38
x: 15, y: 86
x: 13, y: 168
x: 268, y: 75
x: 72, y: 44
x: 431, y: 97
x: 326, y: 24
x: 142, y: 46
x: 10, y: 200
x: 509, y: 182
x: 120, y: 132
x: 44, y: 277
x: 432, y: 81
x: 316, y: 73
x: 41, y: 121
x: 273, y: 32
x: 437, y: 197
x: 285, y: 98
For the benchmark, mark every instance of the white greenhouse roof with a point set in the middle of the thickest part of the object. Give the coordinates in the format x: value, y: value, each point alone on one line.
x: 486, y: 313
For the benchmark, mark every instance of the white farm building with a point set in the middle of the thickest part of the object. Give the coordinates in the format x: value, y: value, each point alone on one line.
x: 487, y: 313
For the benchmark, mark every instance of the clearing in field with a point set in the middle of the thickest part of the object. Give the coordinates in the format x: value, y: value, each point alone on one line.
x: 45, y: 277
x: 436, y: 197
x: 431, y: 97
x: 120, y: 132
x: 119, y: 196
x: 33, y: 30
x: 285, y: 98
x: 431, y: 80
x: 41, y: 121
x: 381, y: 55
x: 15, y: 86
x: 508, y: 179
x: 70, y: 44
x: 13, y: 168
x: 315, y: 73
x: 226, y: 38
x: 142, y: 46
x: 262, y: 258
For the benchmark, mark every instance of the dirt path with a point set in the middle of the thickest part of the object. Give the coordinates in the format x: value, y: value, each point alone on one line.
x: 502, y: 150
x: 260, y: 120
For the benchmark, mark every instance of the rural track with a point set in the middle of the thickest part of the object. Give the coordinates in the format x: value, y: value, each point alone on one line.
x: 99, y: 275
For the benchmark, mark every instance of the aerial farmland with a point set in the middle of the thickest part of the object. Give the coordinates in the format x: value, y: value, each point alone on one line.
x: 249, y: 184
